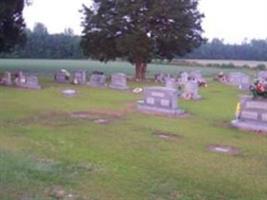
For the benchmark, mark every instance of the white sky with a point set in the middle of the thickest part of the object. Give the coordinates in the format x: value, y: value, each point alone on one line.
x: 231, y: 20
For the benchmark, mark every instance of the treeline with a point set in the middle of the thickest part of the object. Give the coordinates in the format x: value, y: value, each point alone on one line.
x: 41, y: 44
x: 217, y: 49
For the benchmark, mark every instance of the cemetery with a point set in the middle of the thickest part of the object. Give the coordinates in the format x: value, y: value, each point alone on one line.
x: 94, y: 125
x: 132, y: 100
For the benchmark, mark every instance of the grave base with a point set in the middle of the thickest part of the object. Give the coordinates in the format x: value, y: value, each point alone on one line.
x: 249, y: 125
x: 142, y: 107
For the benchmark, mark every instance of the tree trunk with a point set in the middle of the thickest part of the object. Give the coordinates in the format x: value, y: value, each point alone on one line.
x: 140, y: 71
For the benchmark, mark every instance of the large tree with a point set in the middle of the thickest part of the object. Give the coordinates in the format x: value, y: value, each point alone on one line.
x: 11, y: 23
x: 140, y: 30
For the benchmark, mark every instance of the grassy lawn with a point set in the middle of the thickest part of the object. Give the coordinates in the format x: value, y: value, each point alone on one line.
x: 51, y: 143
x: 50, y: 66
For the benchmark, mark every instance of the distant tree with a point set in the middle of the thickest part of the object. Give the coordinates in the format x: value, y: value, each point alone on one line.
x: 139, y: 30
x: 12, y: 24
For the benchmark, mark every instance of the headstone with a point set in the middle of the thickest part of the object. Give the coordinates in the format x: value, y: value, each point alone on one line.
x: 198, y: 77
x: 97, y: 80
x: 239, y: 79
x: 79, y: 77
x: 183, y: 78
x: 171, y: 83
x: 62, y: 76
x: 27, y: 81
x: 119, y: 81
x: 262, y: 75
x: 191, y: 90
x: 160, y: 100
x: 251, y: 114
x: 6, y: 79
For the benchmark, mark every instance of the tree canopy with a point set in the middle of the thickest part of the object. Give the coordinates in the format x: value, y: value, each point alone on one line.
x: 139, y: 30
x: 11, y: 23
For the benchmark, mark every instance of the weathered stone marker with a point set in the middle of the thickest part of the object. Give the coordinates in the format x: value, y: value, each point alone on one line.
x: 6, y: 79
x: 171, y: 83
x: 191, y: 90
x: 97, y: 80
x: 62, y: 76
x: 27, y: 81
x: 251, y: 115
x: 80, y: 77
x: 119, y: 81
x: 160, y: 100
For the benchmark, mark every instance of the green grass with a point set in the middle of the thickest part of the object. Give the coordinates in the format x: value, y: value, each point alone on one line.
x: 50, y: 66
x: 42, y: 147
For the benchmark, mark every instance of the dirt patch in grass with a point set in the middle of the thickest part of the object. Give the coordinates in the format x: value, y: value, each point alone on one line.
x: 224, y: 149
x: 166, y: 135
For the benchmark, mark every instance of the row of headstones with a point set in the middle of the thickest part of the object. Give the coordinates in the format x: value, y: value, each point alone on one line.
x: 97, y: 79
x: 164, y: 100
x: 20, y: 80
x: 188, y: 83
x: 180, y: 78
x: 241, y: 80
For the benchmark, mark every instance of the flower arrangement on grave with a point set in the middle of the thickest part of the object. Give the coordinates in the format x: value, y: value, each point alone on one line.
x: 259, y: 89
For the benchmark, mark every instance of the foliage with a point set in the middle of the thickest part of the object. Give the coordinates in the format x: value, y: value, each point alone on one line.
x: 11, y: 24
x: 41, y: 44
x: 140, y: 30
x: 217, y: 49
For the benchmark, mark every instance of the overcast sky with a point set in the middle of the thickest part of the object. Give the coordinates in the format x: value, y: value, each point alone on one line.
x: 231, y: 20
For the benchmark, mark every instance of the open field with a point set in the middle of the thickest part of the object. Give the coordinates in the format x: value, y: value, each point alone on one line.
x: 50, y: 66
x: 52, y: 147
x: 238, y: 63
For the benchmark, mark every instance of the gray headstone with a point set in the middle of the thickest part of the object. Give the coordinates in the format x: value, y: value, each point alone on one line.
x: 239, y: 79
x: 27, y: 81
x: 262, y: 75
x: 171, y: 83
x: 97, y: 80
x: 79, y: 77
x: 119, y: 81
x: 191, y: 90
x: 62, y: 77
x: 160, y: 100
x: 183, y: 79
x: 6, y: 79
x: 252, y: 115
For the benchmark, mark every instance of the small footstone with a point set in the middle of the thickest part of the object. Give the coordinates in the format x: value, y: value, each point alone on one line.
x: 224, y: 149
x: 69, y: 92
x: 101, y: 121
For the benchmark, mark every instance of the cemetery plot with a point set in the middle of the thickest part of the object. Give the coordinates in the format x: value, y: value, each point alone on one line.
x: 98, y: 80
x: 160, y: 100
x: 251, y: 115
x: 79, y: 77
x: 119, y: 81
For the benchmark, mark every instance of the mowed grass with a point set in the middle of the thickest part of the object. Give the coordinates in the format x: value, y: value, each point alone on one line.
x: 43, y: 148
x: 43, y: 66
